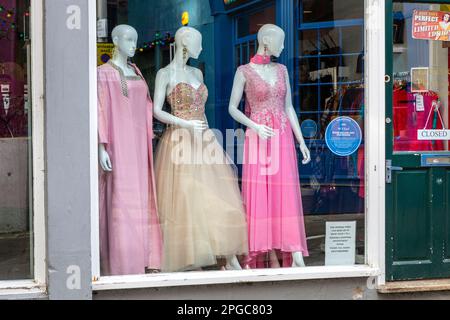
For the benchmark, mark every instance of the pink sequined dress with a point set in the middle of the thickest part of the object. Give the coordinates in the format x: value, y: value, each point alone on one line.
x: 271, y: 184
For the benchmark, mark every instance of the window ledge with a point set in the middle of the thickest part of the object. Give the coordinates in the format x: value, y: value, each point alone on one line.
x: 231, y: 277
x: 415, y: 286
x: 20, y: 290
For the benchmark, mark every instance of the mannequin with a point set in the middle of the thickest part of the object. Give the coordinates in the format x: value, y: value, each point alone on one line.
x: 131, y: 241
x: 179, y: 72
x: 263, y: 72
x: 125, y: 41
x: 184, y: 89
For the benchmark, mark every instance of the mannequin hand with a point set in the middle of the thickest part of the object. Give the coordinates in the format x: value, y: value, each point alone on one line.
x: 105, y: 160
x: 306, y: 154
x: 196, y: 125
x: 265, y: 132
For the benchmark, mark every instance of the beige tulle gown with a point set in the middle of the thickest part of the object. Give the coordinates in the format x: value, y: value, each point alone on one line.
x: 200, y: 205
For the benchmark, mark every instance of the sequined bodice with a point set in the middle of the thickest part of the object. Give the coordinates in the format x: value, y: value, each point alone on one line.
x: 265, y: 102
x: 187, y: 102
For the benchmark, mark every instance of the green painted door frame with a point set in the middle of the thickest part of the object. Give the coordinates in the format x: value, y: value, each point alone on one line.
x: 417, y: 200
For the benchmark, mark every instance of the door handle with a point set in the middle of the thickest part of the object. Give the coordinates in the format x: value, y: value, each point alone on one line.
x: 389, y: 169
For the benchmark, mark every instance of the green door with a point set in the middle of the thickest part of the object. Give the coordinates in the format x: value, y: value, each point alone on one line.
x: 417, y: 152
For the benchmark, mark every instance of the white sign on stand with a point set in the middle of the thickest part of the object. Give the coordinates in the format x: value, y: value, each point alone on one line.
x: 340, y: 244
x: 434, y: 134
x: 102, y: 28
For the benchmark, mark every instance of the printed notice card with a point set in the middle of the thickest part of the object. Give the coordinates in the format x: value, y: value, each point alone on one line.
x: 340, y: 244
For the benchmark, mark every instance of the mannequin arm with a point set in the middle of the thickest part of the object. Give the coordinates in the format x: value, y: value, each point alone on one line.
x: 162, y: 81
x: 104, y: 159
x: 264, y: 132
x: 293, y: 119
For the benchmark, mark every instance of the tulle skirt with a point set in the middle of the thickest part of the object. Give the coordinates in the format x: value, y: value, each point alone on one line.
x: 200, y: 205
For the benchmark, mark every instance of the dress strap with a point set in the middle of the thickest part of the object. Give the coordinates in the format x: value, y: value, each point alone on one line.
x: 244, y: 70
x: 282, y: 71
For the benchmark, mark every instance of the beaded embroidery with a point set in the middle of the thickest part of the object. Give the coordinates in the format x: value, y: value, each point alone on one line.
x: 123, y: 78
x: 187, y: 102
x: 266, y: 102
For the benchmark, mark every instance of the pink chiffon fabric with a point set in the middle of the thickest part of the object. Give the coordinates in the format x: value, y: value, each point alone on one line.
x: 130, y: 235
x: 271, y: 183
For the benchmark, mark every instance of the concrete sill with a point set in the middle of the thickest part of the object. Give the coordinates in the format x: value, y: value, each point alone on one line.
x: 415, y: 286
x: 21, y: 290
x: 231, y: 277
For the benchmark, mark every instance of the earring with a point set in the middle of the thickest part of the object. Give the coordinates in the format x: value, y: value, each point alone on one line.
x: 115, y: 53
x: 185, y: 51
x: 265, y: 49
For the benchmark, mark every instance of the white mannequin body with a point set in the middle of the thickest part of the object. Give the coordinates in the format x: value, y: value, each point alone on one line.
x: 125, y: 40
x: 179, y: 72
x: 189, y: 45
x: 271, y: 42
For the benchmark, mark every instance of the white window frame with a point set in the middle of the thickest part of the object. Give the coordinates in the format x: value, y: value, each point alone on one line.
x: 36, y: 287
x: 375, y: 186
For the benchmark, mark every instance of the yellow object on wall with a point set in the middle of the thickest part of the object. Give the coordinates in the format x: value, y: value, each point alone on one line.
x: 104, y: 52
x: 185, y: 18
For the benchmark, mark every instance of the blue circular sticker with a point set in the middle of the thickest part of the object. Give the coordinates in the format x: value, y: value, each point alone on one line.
x: 343, y: 136
x: 309, y: 129
x: 105, y: 58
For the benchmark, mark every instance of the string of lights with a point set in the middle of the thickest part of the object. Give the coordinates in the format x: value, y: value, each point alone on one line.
x: 8, y: 23
x: 158, y: 40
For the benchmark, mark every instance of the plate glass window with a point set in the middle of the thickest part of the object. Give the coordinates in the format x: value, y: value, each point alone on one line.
x: 16, y: 228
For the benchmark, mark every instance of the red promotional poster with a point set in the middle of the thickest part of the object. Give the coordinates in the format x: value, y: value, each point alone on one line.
x: 431, y: 25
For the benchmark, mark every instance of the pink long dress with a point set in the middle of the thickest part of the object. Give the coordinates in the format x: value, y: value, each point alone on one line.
x: 271, y: 184
x: 130, y: 236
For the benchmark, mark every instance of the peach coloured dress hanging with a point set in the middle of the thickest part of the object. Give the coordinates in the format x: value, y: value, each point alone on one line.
x: 130, y: 235
x: 271, y: 182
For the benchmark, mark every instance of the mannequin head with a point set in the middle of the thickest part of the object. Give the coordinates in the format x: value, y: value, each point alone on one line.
x: 191, y: 39
x: 125, y: 39
x: 446, y: 18
x: 271, y: 37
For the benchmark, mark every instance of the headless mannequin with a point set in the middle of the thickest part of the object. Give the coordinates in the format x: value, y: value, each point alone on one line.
x: 271, y: 42
x: 125, y: 40
x: 189, y: 45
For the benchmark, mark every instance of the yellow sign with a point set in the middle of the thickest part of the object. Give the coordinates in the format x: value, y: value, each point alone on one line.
x: 185, y: 18
x: 104, y: 52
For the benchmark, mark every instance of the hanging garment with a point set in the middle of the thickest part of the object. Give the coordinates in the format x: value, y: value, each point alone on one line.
x: 271, y: 182
x: 408, y: 120
x: 202, y: 214
x: 129, y: 227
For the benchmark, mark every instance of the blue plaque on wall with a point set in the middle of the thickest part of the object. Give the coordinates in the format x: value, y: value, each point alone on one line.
x: 343, y: 136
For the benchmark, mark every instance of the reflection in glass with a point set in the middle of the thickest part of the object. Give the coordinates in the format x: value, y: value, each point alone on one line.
x: 330, y: 85
x: 15, y: 143
x: 421, y: 82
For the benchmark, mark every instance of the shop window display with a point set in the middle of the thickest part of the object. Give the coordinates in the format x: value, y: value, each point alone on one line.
x: 15, y: 142
x: 171, y: 197
x: 330, y: 92
x: 420, y: 98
